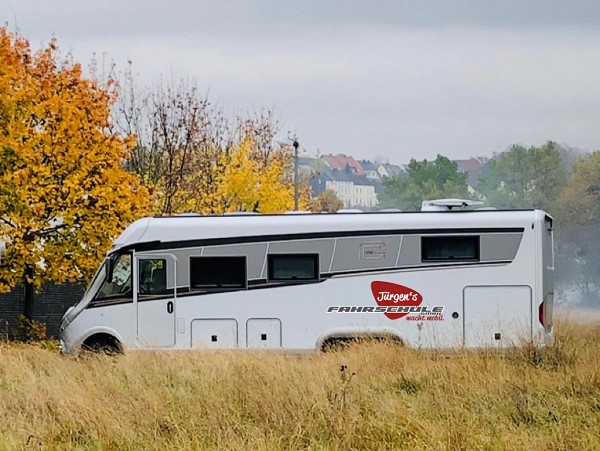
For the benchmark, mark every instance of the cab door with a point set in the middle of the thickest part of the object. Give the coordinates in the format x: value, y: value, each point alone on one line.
x: 155, y: 300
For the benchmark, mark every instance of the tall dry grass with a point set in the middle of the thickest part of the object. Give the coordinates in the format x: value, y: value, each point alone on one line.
x: 372, y: 396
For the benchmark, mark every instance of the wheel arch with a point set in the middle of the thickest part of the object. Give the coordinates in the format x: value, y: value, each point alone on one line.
x: 336, y: 336
x: 102, y: 333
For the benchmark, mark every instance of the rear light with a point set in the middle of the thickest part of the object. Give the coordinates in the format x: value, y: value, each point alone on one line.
x: 542, y: 317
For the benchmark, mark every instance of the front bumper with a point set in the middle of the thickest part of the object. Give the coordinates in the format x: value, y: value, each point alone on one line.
x: 67, y: 343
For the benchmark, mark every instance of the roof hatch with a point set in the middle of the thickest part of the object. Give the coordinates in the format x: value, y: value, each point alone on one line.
x: 448, y: 204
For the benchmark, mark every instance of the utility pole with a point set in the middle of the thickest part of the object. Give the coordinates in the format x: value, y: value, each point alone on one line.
x: 296, y: 145
x: 293, y: 141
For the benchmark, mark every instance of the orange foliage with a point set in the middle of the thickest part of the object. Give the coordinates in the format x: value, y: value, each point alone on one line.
x: 63, y: 194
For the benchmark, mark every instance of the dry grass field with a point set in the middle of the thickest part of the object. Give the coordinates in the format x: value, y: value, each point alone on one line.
x: 371, y: 396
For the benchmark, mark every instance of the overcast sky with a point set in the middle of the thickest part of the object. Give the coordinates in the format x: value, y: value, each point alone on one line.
x: 394, y: 78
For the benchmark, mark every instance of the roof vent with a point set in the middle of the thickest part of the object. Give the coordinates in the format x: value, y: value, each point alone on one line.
x: 447, y: 204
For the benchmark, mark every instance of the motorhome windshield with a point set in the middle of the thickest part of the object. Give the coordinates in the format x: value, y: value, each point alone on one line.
x: 97, y: 281
x: 117, y: 281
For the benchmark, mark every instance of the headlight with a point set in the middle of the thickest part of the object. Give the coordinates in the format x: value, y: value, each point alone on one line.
x: 67, y: 318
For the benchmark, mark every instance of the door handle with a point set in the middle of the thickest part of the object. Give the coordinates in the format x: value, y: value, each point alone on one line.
x: 170, y: 307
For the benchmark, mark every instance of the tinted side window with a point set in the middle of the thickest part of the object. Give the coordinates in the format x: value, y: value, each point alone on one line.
x: 449, y: 248
x: 217, y: 273
x: 152, y: 276
x: 290, y: 267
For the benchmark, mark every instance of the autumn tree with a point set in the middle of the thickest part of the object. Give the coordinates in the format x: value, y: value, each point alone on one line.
x: 253, y: 184
x: 179, y: 137
x: 327, y: 201
x: 425, y: 180
x: 63, y: 194
x: 193, y: 159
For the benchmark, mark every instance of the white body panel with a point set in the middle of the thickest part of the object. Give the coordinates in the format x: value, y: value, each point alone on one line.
x: 497, y: 315
x: 491, y: 296
x: 149, y: 314
x: 263, y: 333
x: 214, y: 333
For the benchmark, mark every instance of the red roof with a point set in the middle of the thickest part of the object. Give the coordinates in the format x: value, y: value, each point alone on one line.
x: 472, y: 165
x: 341, y: 162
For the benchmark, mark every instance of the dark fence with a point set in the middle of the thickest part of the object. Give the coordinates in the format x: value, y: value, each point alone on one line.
x: 51, y: 303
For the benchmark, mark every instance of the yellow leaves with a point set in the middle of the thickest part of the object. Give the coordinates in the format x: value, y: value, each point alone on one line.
x: 241, y: 178
x: 63, y: 194
x: 247, y: 184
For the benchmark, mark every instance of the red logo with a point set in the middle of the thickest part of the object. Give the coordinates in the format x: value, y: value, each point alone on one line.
x: 388, y: 294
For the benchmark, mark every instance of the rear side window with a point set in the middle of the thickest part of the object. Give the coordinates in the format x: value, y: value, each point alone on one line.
x: 449, y: 248
x: 225, y: 273
x: 293, y: 267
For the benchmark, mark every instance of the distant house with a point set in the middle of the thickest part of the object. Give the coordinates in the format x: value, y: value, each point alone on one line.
x: 343, y: 162
x: 365, y: 195
x: 307, y: 166
x: 370, y: 169
x: 355, y: 191
x: 340, y: 182
x: 390, y: 170
x: 306, y: 161
x: 473, y: 170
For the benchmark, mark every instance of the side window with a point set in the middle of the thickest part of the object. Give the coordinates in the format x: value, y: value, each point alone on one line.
x: 449, y: 248
x: 218, y: 273
x: 293, y: 267
x: 152, y: 276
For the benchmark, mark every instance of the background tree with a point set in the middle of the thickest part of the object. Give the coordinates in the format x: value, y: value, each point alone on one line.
x: 524, y: 178
x: 578, y: 225
x: 425, y: 180
x: 179, y: 136
x: 580, y: 200
x: 63, y: 194
x: 184, y: 146
x: 326, y: 201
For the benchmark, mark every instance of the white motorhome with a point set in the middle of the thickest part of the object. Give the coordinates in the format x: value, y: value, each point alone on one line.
x: 430, y: 279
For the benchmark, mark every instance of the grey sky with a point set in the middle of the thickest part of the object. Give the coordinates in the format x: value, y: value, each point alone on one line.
x: 395, y: 78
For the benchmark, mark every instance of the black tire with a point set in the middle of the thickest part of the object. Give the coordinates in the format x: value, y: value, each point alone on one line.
x: 102, y: 344
x: 335, y: 344
x: 345, y: 342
